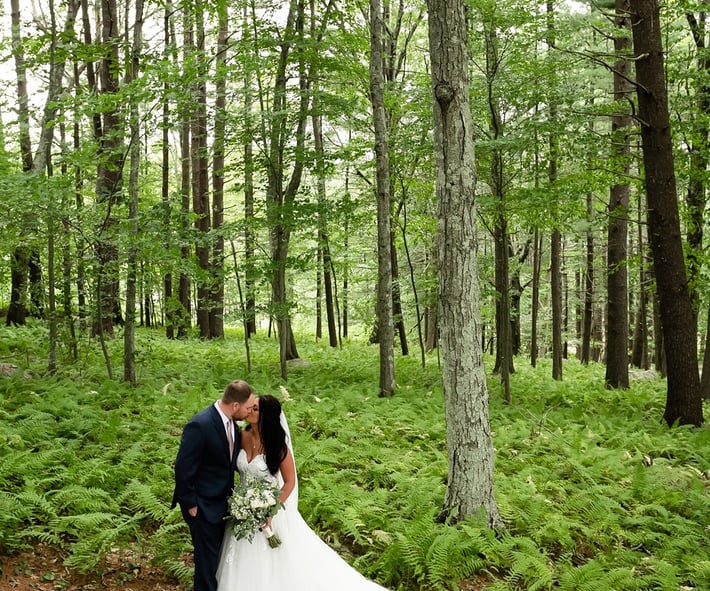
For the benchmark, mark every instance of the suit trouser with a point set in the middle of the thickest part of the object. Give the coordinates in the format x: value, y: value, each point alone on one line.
x: 207, y: 541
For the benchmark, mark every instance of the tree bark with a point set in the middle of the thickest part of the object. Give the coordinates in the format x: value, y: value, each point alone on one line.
x: 250, y: 274
x: 170, y: 307
x: 216, y: 308
x: 683, y: 402
x: 639, y: 347
x: 617, y: 327
x: 185, y: 313
x: 19, y: 259
x: 504, y: 340
x: 385, y: 321
x: 109, y: 175
x: 129, y: 333
x: 588, y: 284
x: 326, y: 261
x: 556, y: 238
x: 535, y: 304
x: 469, y: 442
x: 200, y: 174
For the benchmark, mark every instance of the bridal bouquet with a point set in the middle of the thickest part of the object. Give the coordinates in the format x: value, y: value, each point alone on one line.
x: 249, y: 508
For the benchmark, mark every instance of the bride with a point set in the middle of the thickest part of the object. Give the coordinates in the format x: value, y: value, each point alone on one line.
x: 303, y: 562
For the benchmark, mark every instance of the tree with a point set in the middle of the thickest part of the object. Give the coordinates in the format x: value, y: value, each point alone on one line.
x: 504, y: 336
x: 109, y: 174
x: 216, y: 308
x: 199, y: 163
x: 556, y: 238
x: 170, y: 306
x: 683, y: 402
x: 385, y: 322
x: 129, y: 349
x: 469, y: 441
x: 617, y: 337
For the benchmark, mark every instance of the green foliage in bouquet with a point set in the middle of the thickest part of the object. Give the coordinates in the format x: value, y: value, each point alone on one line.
x: 251, y: 505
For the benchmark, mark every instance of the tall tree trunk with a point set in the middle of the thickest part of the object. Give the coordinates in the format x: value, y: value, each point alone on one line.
x: 397, y: 314
x: 280, y: 197
x: 385, y: 320
x: 170, y: 307
x: 588, y: 284
x: 25, y: 261
x: 535, y: 303
x: 617, y: 327
x: 249, y: 233
x: 516, y: 293
x: 317, y: 123
x: 504, y: 341
x: 319, y: 287
x: 216, y: 310
x: 468, y: 435
x: 109, y: 175
x: 129, y: 333
x: 697, y: 196
x: 683, y: 402
x: 200, y: 175
x: 639, y: 348
x: 185, y: 310
x: 346, y: 271
x: 65, y: 239
x: 185, y: 288
x: 415, y: 291
x: 556, y: 238
x: 20, y: 258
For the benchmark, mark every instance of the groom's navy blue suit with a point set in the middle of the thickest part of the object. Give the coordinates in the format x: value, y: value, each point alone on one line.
x: 204, y: 478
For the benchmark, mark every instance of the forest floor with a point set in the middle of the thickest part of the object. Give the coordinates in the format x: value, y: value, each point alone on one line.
x: 42, y: 570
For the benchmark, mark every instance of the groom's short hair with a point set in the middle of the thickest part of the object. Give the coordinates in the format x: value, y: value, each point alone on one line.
x: 237, y: 391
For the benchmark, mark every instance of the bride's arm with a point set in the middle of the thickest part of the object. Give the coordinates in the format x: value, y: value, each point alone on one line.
x: 288, y: 473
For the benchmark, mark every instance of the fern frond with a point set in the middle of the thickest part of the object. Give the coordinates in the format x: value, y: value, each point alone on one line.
x: 139, y: 496
x: 80, y: 499
x: 41, y: 507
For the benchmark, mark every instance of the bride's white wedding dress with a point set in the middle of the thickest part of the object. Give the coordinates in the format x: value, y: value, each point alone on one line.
x: 303, y: 562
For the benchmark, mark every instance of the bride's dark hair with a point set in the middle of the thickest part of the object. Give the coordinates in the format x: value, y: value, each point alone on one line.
x: 273, y: 436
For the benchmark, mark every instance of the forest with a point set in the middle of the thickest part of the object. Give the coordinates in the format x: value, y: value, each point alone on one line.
x: 467, y: 226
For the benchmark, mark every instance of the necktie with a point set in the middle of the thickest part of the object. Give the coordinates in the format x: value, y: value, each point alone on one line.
x: 230, y: 438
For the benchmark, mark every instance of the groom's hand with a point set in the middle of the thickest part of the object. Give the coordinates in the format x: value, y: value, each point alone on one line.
x: 193, y: 511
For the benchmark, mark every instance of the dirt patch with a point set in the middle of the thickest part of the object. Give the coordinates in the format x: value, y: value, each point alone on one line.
x: 42, y: 569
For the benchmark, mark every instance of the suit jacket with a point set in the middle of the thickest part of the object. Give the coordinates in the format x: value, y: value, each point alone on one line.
x: 204, y: 474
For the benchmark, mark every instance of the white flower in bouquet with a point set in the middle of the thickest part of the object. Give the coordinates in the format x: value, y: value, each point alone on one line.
x: 251, y: 505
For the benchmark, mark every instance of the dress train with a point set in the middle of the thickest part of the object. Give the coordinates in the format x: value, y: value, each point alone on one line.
x: 303, y: 562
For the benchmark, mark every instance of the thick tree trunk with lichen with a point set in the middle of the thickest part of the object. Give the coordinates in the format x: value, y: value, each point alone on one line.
x: 468, y: 434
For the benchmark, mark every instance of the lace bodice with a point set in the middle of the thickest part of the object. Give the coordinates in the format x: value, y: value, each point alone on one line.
x: 256, y: 468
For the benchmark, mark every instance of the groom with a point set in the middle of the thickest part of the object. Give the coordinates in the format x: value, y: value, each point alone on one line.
x: 204, y: 475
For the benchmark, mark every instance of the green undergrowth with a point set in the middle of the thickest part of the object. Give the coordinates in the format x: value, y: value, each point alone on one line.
x: 595, y: 491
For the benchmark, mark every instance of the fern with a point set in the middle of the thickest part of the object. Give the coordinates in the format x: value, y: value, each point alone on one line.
x: 591, y: 499
x: 138, y: 496
x: 79, y: 499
